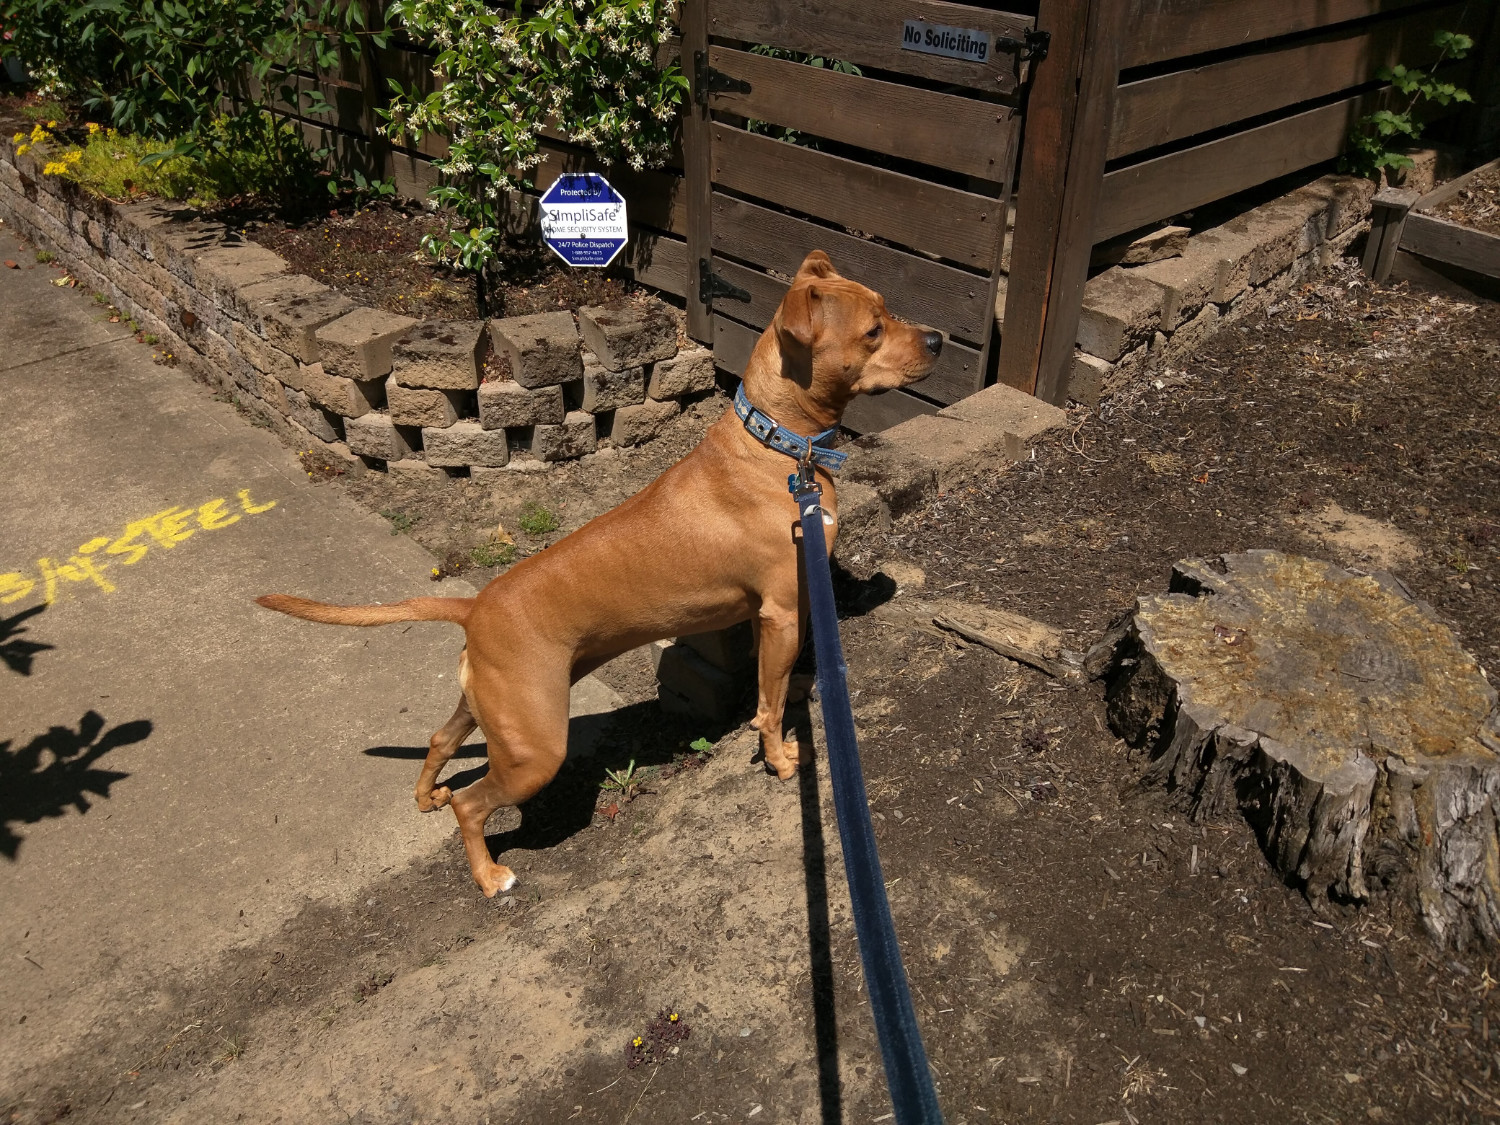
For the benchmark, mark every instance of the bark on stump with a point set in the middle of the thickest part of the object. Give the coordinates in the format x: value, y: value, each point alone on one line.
x: 1332, y: 711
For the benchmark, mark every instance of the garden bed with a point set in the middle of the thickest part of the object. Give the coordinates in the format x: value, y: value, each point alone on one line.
x: 373, y: 255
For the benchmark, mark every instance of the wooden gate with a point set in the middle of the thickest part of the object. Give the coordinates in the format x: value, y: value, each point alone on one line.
x: 901, y: 171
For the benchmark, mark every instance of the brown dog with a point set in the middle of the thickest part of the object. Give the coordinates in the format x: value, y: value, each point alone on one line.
x: 707, y: 544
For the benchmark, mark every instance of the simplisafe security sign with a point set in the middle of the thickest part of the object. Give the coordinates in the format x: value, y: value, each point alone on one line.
x: 583, y: 219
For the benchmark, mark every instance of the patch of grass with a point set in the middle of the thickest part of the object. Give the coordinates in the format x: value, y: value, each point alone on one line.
x: 536, y: 520
x: 400, y: 521
x: 44, y: 111
x: 234, y: 1047
x: 45, y: 257
x: 149, y: 338
x: 493, y: 554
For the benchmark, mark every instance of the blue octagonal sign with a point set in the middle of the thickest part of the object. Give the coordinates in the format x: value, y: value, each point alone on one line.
x: 583, y: 219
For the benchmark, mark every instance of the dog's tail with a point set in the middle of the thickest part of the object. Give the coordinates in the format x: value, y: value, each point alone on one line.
x: 455, y: 610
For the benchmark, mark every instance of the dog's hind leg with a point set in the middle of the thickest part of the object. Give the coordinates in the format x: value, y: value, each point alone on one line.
x: 440, y: 750
x: 525, y: 720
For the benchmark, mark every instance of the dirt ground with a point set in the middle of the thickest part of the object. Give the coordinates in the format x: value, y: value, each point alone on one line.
x: 1078, y: 951
x: 1477, y: 205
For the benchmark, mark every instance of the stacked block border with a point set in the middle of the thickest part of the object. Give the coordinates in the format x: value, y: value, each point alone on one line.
x: 369, y: 387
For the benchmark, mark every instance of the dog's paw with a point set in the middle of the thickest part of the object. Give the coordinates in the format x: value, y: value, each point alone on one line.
x: 495, y: 881
x: 435, y: 800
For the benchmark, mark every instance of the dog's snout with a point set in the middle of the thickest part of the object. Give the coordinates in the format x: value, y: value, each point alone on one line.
x: 933, y: 341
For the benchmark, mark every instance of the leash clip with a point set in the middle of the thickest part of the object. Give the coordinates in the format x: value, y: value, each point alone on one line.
x: 805, y: 479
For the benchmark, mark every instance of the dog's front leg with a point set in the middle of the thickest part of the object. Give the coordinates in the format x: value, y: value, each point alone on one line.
x: 780, y: 636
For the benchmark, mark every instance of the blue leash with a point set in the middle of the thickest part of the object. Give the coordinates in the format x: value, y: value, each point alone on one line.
x: 906, y: 1073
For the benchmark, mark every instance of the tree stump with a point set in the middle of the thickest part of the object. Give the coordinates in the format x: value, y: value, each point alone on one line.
x: 1326, y: 707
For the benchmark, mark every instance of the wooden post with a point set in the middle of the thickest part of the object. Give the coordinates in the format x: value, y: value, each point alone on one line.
x: 697, y: 168
x: 1068, y: 113
x: 1387, y: 219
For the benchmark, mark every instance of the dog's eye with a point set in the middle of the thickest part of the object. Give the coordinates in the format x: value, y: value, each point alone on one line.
x: 874, y: 333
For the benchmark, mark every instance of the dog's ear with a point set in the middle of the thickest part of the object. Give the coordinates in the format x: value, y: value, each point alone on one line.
x: 817, y: 264
x: 801, y: 312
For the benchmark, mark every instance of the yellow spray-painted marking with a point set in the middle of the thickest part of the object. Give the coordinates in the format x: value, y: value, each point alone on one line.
x: 163, y: 530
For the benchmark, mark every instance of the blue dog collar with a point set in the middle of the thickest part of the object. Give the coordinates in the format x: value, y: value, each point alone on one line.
x: 773, y: 435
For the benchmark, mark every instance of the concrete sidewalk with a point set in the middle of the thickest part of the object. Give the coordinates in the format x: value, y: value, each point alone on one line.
x: 180, y: 770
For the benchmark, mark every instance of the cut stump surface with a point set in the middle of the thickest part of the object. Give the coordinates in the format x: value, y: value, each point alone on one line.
x: 1336, y: 714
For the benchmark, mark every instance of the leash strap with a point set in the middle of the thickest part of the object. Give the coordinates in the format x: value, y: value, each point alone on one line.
x: 774, y: 435
x: 906, y: 1072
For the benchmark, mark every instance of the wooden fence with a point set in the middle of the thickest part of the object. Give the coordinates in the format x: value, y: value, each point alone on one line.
x: 1141, y: 110
x: 1151, y: 108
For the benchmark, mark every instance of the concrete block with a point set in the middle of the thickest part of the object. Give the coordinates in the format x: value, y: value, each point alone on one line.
x: 222, y: 270
x: 730, y: 650
x: 1234, y: 252
x: 1089, y: 379
x: 1005, y: 410
x: 689, y: 685
x: 292, y: 323
x: 439, y: 355
x: 902, y: 483
x: 1190, y: 335
x: 415, y: 406
x: 604, y: 389
x: 1119, y: 311
x: 253, y: 300
x: 358, y: 344
x: 688, y: 372
x: 412, y: 469
x: 542, y: 349
x: 1187, y: 282
x: 261, y: 354
x: 1283, y: 230
x: 465, y: 443
x: 375, y: 435
x: 629, y: 332
x: 348, y: 397
x: 862, y: 511
x: 506, y: 404
x: 269, y: 390
x: 574, y: 437
x: 1167, y: 242
x: 321, y: 424
x: 632, y: 425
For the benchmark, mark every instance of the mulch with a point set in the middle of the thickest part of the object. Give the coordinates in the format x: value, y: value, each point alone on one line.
x: 1477, y: 205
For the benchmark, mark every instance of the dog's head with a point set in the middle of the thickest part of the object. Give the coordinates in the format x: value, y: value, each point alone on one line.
x: 838, y: 340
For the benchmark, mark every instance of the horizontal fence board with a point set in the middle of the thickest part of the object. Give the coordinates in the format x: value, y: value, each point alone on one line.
x: 956, y: 376
x: 659, y: 260
x: 960, y: 134
x: 733, y: 343
x: 1157, y: 189
x: 869, y: 414
x: 653, y: 199
x: 914, y: 288
x: 870, y: 34
x: 1174, y: 29
x: 1452, y: 243
x: 953, y: 224
x: 1169, y: 107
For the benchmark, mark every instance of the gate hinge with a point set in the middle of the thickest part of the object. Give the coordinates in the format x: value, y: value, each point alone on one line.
x: 1032, y: 48
x: 707, y: 80
x: 711, y: 285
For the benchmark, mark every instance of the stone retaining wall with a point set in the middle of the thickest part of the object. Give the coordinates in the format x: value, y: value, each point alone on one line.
x: 1139, y: 315
x: 367, y: 386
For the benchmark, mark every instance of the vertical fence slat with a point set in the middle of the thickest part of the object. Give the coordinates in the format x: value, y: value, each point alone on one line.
x: 1055, y: 148
x: 697, y: 167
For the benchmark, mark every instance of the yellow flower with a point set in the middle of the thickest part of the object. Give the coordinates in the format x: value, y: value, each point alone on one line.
x: 17, y: 138
x: 672, y: 1018
x: 54, y: 168
x: 74, y: 157
x: 93, y: 127
x: 22, y: 150
x: 636, y: 1042
x: 52, y: 124
x: 436, y: 572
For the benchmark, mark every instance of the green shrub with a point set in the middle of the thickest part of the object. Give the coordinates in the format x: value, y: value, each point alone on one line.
x: 1372, y: 140
x: 165, y: 69
x: 586, y: 67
